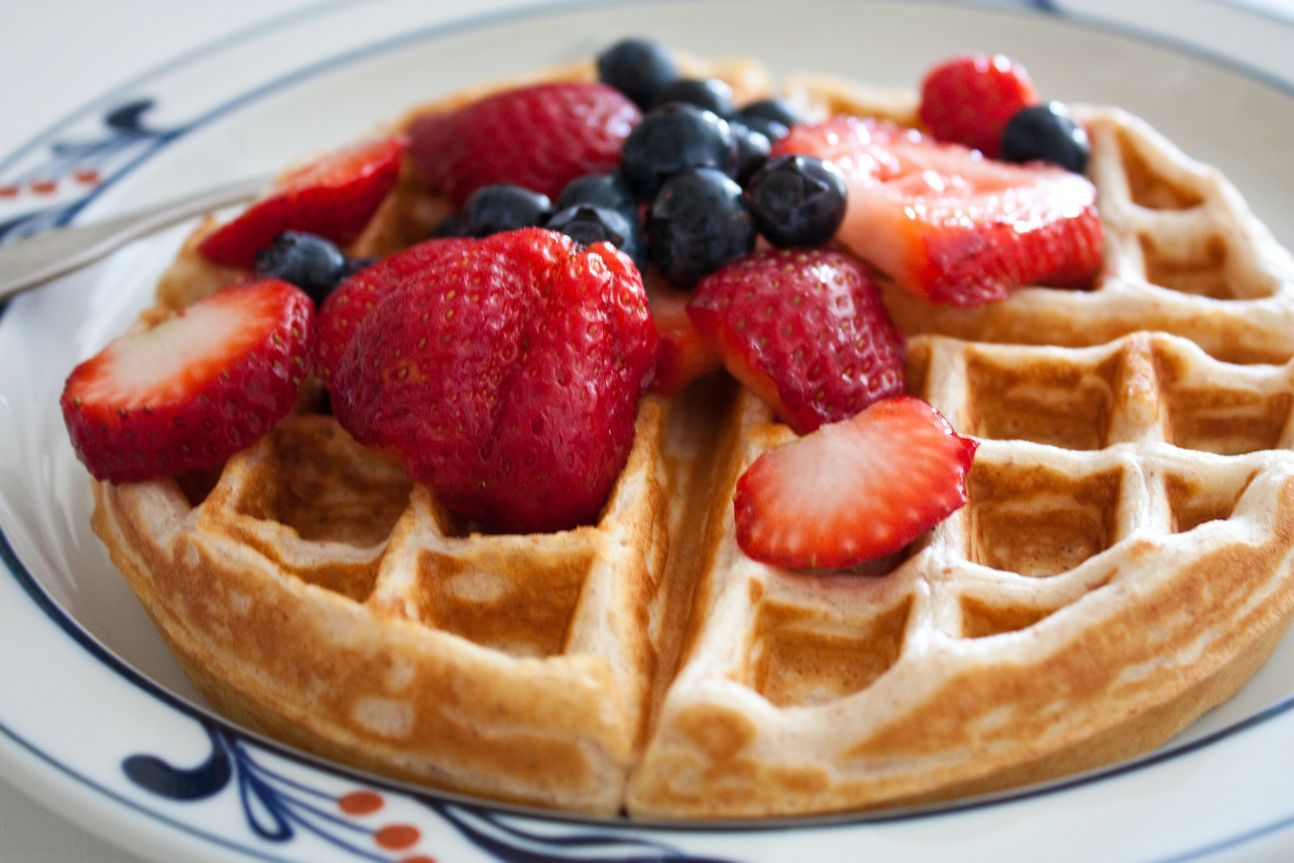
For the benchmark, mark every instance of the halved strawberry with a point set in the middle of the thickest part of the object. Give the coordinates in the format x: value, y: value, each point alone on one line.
x: 344, y: 309
x: 540, y: 137
x: 190, y: 391
x: 683, y: 355
x: 948, y: 224
x: 506, y: 378
x: 969, y: 99
x: 853, y: 491
x: 803, y: 328
x: 333, y: 197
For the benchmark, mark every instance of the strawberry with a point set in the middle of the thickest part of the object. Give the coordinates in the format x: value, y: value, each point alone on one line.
x: 948, y: 224
x: 684, y: 355
x: 803, y: 328
x: 190, y: 391
x: 969, y: 99
x: 540, y: 137
x: 342, y: 311
x: 506, y: 377
x: 333, y: 197
x: 853, y: 491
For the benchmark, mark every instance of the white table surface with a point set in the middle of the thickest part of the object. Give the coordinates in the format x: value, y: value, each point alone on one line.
x: 82, y: 48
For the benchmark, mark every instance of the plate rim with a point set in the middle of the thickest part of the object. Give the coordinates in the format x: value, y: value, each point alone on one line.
x: 473, y: 23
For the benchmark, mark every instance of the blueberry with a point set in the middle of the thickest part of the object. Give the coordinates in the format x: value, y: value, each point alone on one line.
x: 354, y: 265
x: 503, y: 207
x: 778, y: 110
x: 675, y: 138
x: 310, y: 262
x: 587, y: 224
x: 698, y: 223
x: 752, y: 149
x: 638, y: 68
x: 1046, y: 132
x: 797, y: 200
x: 710, y: 94
x: 451, y: 226
x: 600, y: 190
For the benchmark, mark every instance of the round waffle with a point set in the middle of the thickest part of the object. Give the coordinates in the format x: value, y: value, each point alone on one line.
x: 1123, y: 562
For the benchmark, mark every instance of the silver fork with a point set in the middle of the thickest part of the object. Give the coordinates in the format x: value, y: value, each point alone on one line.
x: 40, y: 258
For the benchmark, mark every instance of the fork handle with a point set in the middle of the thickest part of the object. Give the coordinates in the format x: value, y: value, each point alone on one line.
x: 35, y: 260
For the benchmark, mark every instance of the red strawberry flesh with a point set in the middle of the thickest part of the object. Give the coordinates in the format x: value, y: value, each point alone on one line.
x: 334, y: 197
x: 540, y: 137
x: 684, y: 355
x: 950, y: 225
x: 506, y: 377
x: 190, y: 391
x: 805, y: 329
x: 344, y: 309
x: 853, y: 491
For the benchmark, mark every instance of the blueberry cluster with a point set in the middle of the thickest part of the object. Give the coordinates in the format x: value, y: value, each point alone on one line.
x: 702, y: 167
x: 695, y: 187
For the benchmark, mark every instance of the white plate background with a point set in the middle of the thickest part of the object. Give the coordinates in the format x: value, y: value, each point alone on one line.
x: 85, y: 682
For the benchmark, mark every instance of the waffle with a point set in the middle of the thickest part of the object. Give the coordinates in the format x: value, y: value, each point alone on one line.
x: 1122, y: 565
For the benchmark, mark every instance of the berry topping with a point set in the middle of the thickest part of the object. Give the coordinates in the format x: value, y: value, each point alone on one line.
x: 684, y: 355
x: 308, y: 261
x: 672, y: 139
x: 540, y: 137
x: 753, y: 148
x: 586, y: 224
x: 341, y: 313
x: 190, y: 391
x: 333, y: 197
x: 969, y: 99
x: 1046, y: 133
x: 638, y: 68
x: 853, y: 491
x: 697, y: 224
x: 948, y: 224
x: 805, y: 329
x: 503, y: 207
x: 600, y: 190
x: 506, y: 377
x: 773, y: 117
x: 711, y: 94
x: 797, y: 200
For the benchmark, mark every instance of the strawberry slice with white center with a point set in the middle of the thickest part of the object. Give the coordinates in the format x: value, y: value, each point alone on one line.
x: 853, y: 491
x: 190, y: 391
x: 948, y: 224
x: 333, y: 197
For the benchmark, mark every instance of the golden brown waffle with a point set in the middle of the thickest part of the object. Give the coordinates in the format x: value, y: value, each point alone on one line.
x: 1122, y: 565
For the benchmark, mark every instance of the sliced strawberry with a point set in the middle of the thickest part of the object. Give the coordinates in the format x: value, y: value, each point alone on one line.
x: 540, y: 137
x: 969, y: 99
x: 192, y: 390
x: 506, y: 377
x: 334, y: 197
x: 342, y: 311
x: 803, y: 328
x: 684, y: 355
x: 948, y: 224
x: 853, y: 491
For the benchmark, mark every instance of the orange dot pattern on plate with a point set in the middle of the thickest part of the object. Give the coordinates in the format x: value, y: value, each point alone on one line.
x: 88, y: 176
x: 360, y: 802
x: 418, y: 858
x: 397, y: 836
x: 8, y: 191
x: 43, y: 187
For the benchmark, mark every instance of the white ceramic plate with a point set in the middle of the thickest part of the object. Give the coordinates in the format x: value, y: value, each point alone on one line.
x: 96, y: 718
